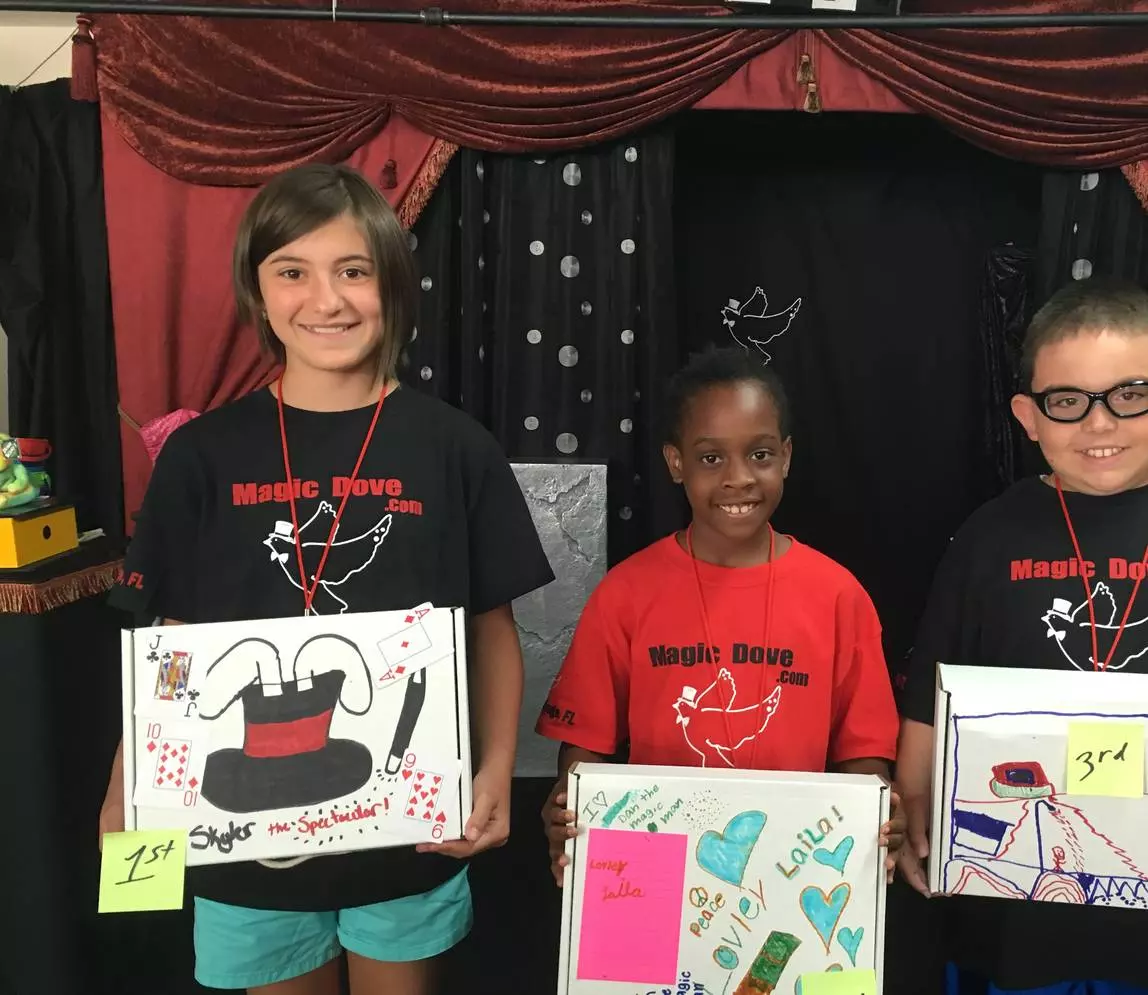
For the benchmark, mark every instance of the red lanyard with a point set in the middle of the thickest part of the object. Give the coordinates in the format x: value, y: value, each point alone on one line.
x: 1096, y: 664
x: 309, y: 593
x: 710, y: 646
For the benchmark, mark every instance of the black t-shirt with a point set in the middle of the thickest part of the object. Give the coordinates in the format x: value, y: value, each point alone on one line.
x: 1008, y: 593
x: 436, y: 515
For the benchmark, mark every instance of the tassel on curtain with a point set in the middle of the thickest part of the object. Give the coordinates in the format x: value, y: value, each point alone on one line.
x: 83, y: 84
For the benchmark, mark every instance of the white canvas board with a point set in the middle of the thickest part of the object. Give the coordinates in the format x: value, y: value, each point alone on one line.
x: 1005, y: 823
x: 294, y: 737
x: 724, y: 881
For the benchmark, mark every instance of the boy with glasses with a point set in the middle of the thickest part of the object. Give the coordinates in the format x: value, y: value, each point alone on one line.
x: 1047, y: 576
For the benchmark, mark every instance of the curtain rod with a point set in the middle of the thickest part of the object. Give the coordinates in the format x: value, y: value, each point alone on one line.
x: 438, y: 17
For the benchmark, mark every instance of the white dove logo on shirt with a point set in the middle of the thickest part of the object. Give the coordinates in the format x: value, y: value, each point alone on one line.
x: 346, y: 558
x: 1072, y: 629
x: 715, y: 733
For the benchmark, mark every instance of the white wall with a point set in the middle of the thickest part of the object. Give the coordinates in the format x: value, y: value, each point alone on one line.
x: 26, y: 40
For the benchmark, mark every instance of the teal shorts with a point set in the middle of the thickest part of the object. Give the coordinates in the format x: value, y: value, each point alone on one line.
x: 244, y: 948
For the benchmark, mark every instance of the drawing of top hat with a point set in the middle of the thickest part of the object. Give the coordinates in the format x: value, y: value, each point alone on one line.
x: 280, y: 541
x: 288, y: 758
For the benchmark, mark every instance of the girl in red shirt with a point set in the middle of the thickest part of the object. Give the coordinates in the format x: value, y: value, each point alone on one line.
x: 727, y: 644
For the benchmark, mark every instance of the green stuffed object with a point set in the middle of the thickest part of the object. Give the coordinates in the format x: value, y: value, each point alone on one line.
x: 16, y: 487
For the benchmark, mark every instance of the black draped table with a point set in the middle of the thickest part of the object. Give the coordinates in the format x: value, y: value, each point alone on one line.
x: 60, y: 718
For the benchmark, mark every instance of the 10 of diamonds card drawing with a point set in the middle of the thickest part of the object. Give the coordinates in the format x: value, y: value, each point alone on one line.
x: 291, y: 737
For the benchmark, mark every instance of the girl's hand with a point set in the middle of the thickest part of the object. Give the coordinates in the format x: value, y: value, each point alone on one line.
x: 489, y: 823
x: 893, y: 834
x: 558, y: 822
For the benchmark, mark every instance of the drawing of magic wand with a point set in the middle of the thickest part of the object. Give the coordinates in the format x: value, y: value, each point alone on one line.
x: 412, y: 708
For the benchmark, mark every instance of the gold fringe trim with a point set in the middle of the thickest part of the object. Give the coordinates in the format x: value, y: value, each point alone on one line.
x: 423, y: 185
x: 34, y: 599
x: 1137, y: 175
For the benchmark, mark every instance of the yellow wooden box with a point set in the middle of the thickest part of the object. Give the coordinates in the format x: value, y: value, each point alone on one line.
x: 34, y: 534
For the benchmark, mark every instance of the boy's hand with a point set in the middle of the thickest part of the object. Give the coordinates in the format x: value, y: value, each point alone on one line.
x: 558, y: 821
x: 893, y: 834
x: 916, y: 848
x: 489, y: 823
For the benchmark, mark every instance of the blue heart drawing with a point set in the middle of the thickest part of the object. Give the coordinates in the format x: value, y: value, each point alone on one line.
x: 850, y: 940
x: 836, y: 857
x: 831, y: 969
x: 824, y: 911
x: 725, y: 854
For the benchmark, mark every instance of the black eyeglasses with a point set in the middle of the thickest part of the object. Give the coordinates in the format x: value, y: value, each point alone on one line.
x: 1071, y: 404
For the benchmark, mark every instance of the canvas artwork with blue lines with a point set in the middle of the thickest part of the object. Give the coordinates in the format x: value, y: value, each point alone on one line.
x: 1011, y: 829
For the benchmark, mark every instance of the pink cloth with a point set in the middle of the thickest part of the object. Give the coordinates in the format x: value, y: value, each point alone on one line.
x: 156, y: 431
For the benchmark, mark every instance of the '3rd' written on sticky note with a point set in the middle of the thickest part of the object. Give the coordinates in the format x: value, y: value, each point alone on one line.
x: 840, y: 983
x: 1106, y: 758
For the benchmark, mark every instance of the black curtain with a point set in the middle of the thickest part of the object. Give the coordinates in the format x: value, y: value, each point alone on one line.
x: 55, y: 300
x: 1091, y: 225
x: 1007, y: 303
x: 857, y: 269
x: 548, y: 312
x: 854, y: 253
x: 57, y: 736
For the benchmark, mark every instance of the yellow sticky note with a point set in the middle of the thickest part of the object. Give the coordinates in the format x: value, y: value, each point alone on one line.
x: 143, y: 871
x: 860, y: 982
x: 1106, y: 758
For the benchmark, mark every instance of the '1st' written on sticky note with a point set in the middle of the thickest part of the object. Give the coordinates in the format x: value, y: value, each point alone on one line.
x: 143, y: 871
x: 840, y: 983
x: 1106, y: 758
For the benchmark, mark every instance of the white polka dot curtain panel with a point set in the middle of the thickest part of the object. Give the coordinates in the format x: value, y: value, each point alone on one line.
x: 548, y: 311
x: 1091, y: 225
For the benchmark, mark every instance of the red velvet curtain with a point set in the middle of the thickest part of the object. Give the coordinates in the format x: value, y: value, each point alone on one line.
x: 1061, y: 97
x: 232, y: 101
x: 228, y: 101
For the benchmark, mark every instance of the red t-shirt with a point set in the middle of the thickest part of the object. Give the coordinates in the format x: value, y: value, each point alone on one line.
x: 812, y: 691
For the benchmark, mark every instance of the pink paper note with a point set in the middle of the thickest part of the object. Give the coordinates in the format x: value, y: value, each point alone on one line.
x: 632, y: 906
